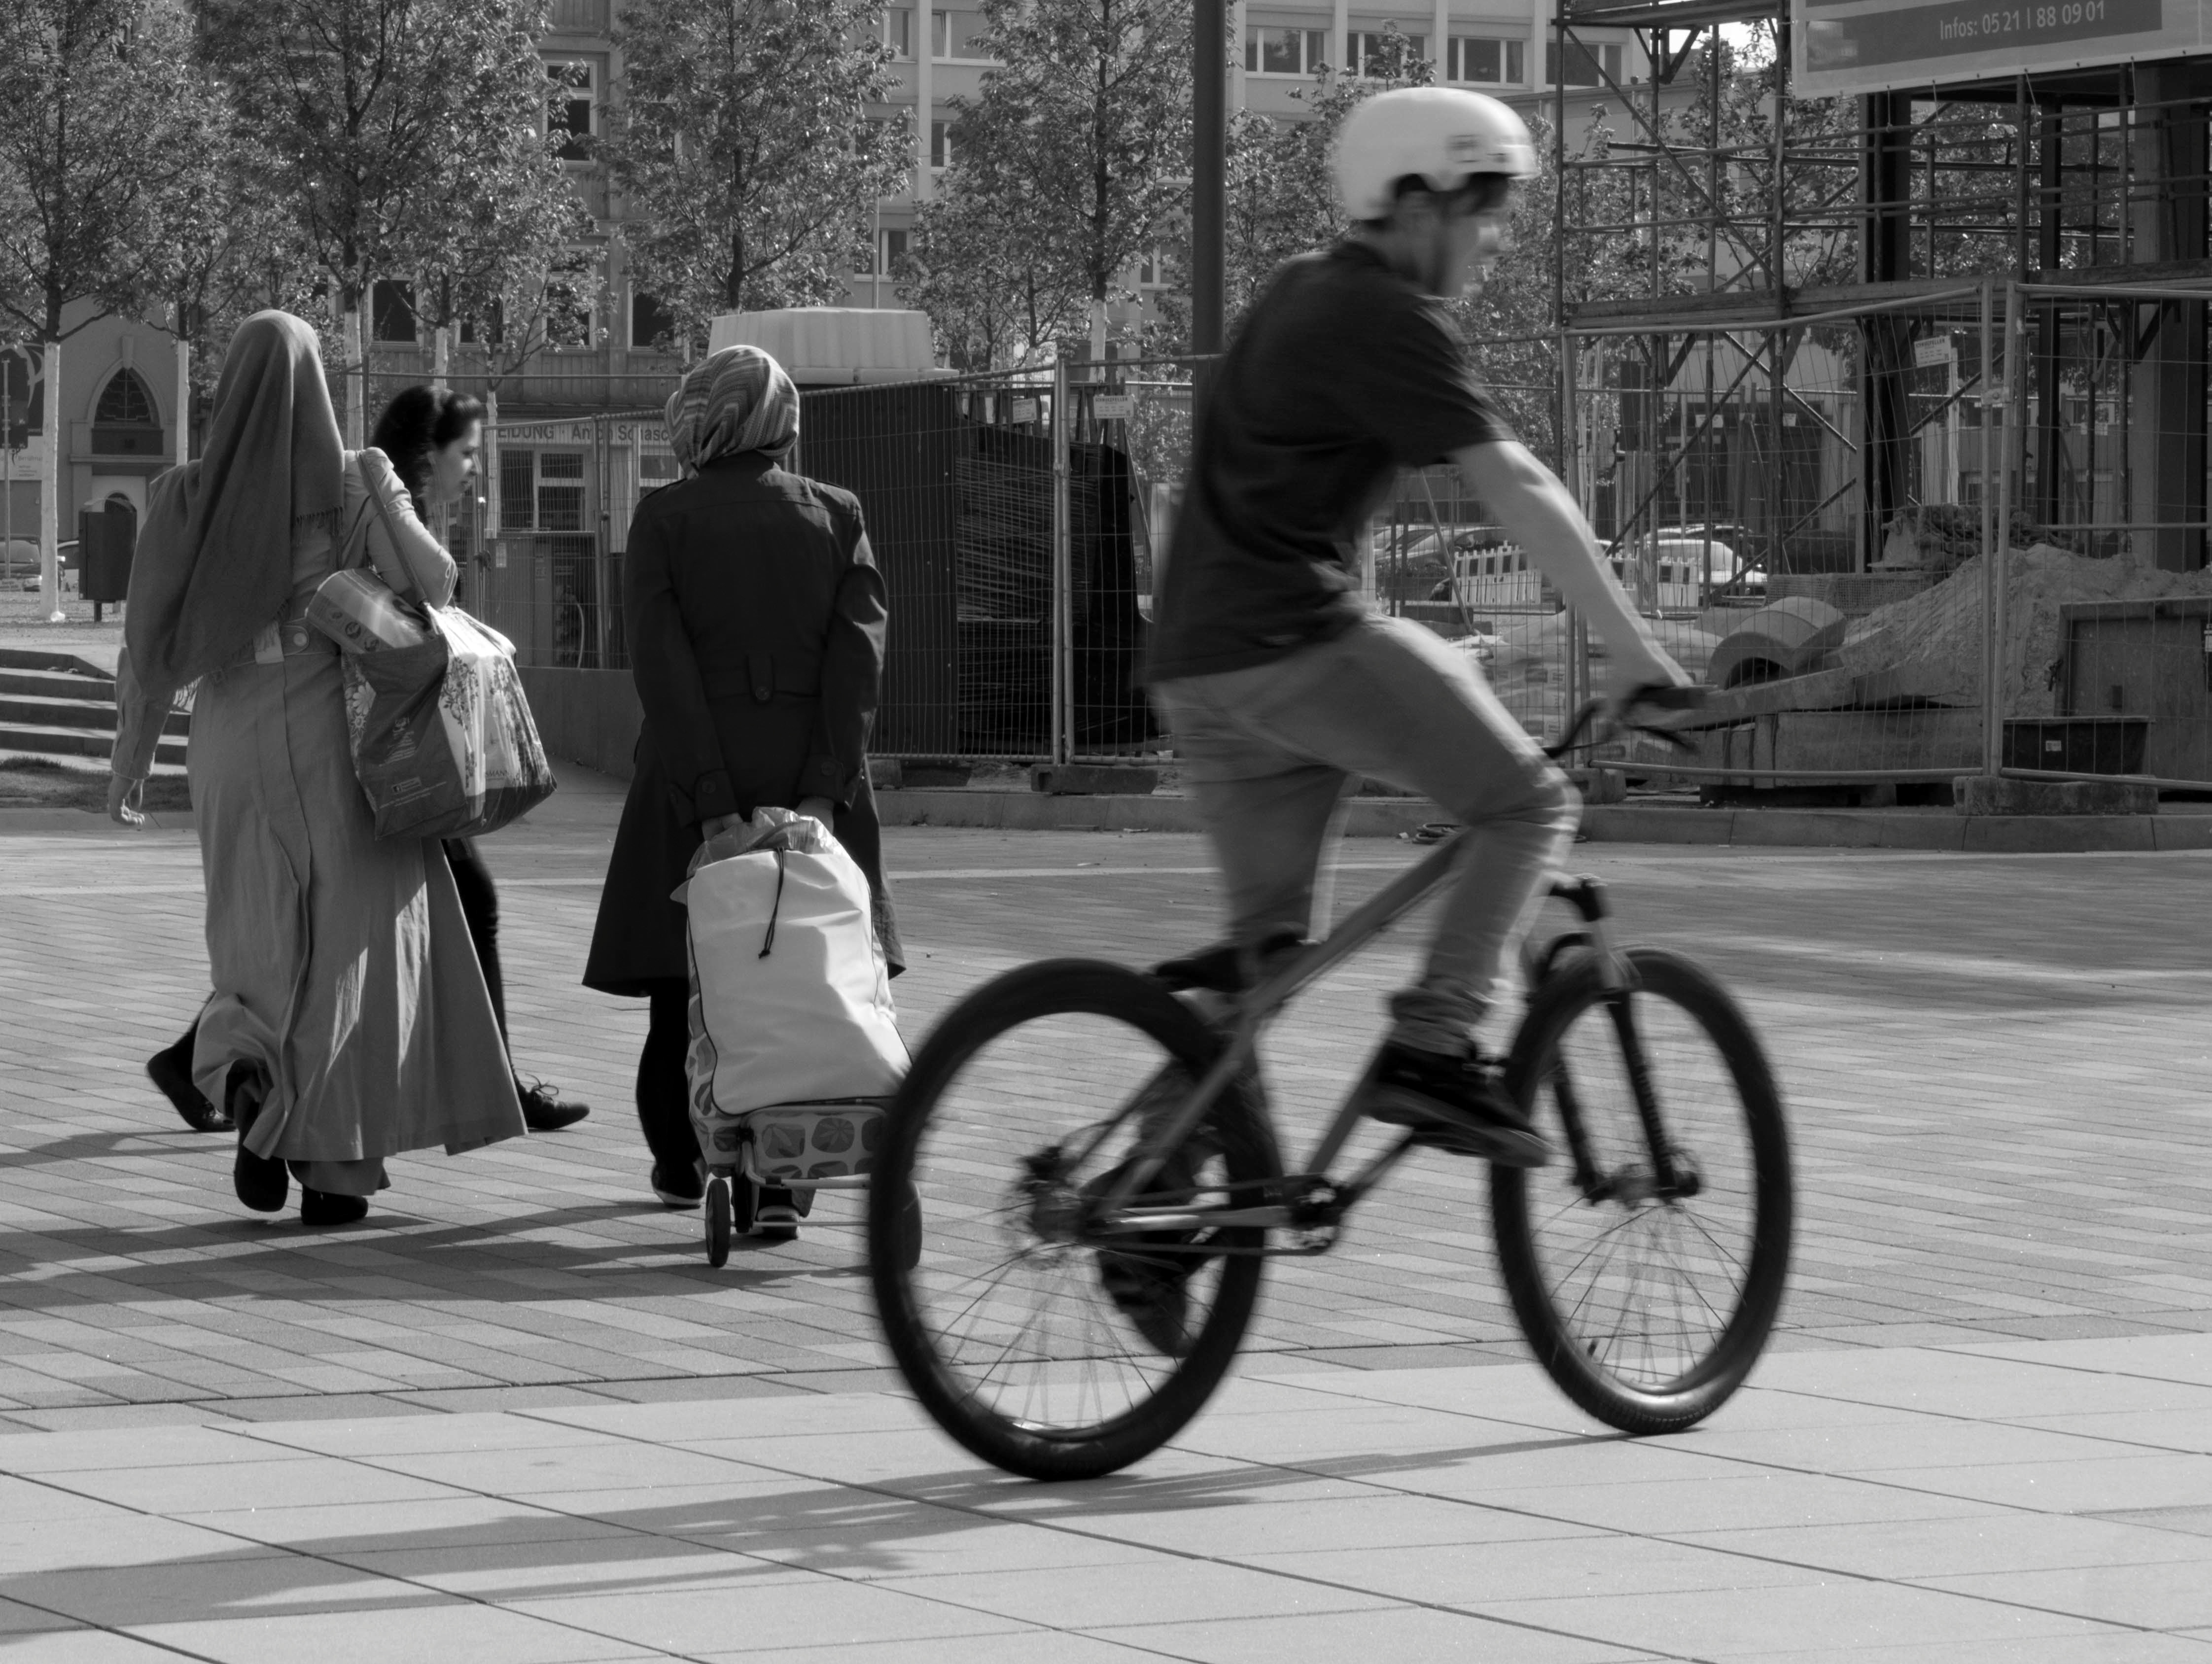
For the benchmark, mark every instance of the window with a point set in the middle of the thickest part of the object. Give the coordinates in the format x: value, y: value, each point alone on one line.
x: 1152, y: 270
x: 1375, y: 51
x: 518, y: 488
x: 654, y: 470
x: 898, y: 29
x: 1478, y: 59
x: 570, y: 293
x: 649, y: 321
x: 560, y: 490
x: 568, y: 109
x: 1583, y: 64
x: 491, y: 327
x: 940, y: 145
x: 1271, y: 51
x: 391, y: 311
x: 957, y: 34
x: 124, y: 403
x: 890, y: 253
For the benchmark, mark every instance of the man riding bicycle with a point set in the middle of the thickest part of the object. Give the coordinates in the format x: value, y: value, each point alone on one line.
x: 1281, y: 687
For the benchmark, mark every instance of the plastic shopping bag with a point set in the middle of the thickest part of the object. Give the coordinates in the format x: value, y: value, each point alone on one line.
x: 443, y: 740
x: 794, y: 1039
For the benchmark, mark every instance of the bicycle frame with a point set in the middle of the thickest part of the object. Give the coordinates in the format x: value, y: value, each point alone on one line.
x: 1115, y: 1216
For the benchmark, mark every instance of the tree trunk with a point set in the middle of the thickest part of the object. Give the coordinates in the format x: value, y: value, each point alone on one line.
x: 50, y: 484
x: 1098, y: 331
x: 491, y: 467
x: 356, y: 414
x: 184, y: 391
x: 439, y: 360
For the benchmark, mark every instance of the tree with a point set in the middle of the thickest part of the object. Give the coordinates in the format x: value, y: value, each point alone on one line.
x: 990, y: 282
x: 747, y: 165
x: 102, y: 114
x: 386, y: 118
x: 1081, y: 133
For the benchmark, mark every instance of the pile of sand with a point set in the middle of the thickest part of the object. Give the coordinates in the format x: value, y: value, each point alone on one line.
x: 1942, y: 625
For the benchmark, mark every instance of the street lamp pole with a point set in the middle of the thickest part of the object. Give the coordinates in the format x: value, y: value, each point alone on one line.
x: 1208, y: 164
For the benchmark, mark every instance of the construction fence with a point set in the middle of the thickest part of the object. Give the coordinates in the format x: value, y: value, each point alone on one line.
x: 1959, y: 532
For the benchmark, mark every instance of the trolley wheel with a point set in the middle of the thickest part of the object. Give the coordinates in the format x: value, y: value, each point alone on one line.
x: 718, y: 1221
x: 1646, y: 1279
x: 1051, y: 1352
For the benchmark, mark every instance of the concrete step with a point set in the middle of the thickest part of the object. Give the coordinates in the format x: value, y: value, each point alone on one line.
x: 45, y: 740
x: 77, y: 714
x: 43, y: 658
x: 54, y: 684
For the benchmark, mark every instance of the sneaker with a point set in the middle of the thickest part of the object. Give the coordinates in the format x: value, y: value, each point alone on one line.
x: 1456, y: 1104
x: 777, y: 1214
x: 542, y: 1111
x: 679, y: 1190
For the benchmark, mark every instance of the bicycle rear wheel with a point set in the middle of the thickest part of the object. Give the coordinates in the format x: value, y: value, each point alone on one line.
x: 1645, y: 1281
x: 1040, y: 1345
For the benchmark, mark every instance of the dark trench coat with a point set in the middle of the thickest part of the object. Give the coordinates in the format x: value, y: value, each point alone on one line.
x: 755, y: 623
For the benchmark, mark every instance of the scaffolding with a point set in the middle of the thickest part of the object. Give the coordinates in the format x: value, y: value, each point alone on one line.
x: 1853, y: 341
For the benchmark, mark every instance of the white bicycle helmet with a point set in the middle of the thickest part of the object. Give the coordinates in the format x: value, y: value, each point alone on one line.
x: 1446, y: 136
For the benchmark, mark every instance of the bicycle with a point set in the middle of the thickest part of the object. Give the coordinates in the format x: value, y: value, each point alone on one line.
x: 1102, y: 1183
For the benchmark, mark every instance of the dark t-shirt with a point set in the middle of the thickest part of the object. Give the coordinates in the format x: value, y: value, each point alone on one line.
x: 1343, y: 373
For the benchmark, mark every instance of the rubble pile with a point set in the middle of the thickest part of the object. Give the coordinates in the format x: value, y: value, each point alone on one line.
x: 1940, y: 628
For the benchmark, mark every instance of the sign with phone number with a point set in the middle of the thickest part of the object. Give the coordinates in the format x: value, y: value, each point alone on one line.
x: 1882, y: 46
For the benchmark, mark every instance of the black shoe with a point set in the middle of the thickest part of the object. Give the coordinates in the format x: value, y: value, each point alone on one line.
x: 1456, y: 1104
x: 173, y: 1075
x: 261, y: 1181
x: 680, y: 1189
x: 542, y: 1111
x: 325, y: 1207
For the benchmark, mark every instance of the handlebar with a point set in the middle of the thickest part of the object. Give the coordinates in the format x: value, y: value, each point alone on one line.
x: 1657, y: 697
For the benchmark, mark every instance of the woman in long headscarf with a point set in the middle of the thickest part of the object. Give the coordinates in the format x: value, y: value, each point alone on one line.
x: 756, y: 616
x: 350, y: 1021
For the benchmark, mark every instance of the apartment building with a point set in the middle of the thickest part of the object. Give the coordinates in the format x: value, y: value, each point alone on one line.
x: 1500, y: 47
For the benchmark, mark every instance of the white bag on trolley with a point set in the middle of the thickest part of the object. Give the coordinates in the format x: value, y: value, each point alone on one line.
x: 794, y: 1039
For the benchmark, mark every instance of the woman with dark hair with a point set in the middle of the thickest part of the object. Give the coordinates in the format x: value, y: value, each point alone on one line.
x: 432, y: 435
x: 350, y: 1021
x: 430, y: 438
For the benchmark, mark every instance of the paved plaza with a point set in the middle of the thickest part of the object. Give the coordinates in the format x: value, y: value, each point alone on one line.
x: 515, y: 1417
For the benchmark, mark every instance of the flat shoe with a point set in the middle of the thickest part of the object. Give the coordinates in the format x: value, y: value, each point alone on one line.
x: 327, y: 1207
x: 175, y: 1081
x: 261, y: 1181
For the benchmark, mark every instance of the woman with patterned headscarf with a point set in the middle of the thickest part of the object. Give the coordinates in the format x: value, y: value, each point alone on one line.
x: 350, y: 1021
x: 756, y: 617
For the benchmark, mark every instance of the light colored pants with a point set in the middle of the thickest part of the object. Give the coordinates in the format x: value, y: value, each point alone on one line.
x: 1271, y: 752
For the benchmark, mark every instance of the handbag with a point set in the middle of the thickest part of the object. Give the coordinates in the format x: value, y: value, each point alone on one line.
x: 442, y: 739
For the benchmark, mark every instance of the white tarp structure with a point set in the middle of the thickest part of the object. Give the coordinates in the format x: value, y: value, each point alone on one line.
x: 835, y: 346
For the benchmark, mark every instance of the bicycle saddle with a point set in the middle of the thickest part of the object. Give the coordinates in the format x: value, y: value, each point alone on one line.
x: 1226, y: 968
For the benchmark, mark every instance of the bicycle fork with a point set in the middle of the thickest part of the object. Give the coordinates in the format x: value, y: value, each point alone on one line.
x: 1672, y: 1175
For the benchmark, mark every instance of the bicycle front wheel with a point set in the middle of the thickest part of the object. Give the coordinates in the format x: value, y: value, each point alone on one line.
x: 1647, y: 1263
x: 1041, y: 1343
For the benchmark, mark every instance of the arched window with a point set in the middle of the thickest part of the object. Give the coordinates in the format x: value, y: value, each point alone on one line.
x: 124, y: 403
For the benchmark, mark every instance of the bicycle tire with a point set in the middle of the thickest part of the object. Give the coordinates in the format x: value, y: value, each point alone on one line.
x: 1664, y: 1397
x: 1238, y: 1136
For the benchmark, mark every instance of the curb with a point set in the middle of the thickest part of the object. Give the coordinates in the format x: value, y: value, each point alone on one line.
x: 1778, y: 828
